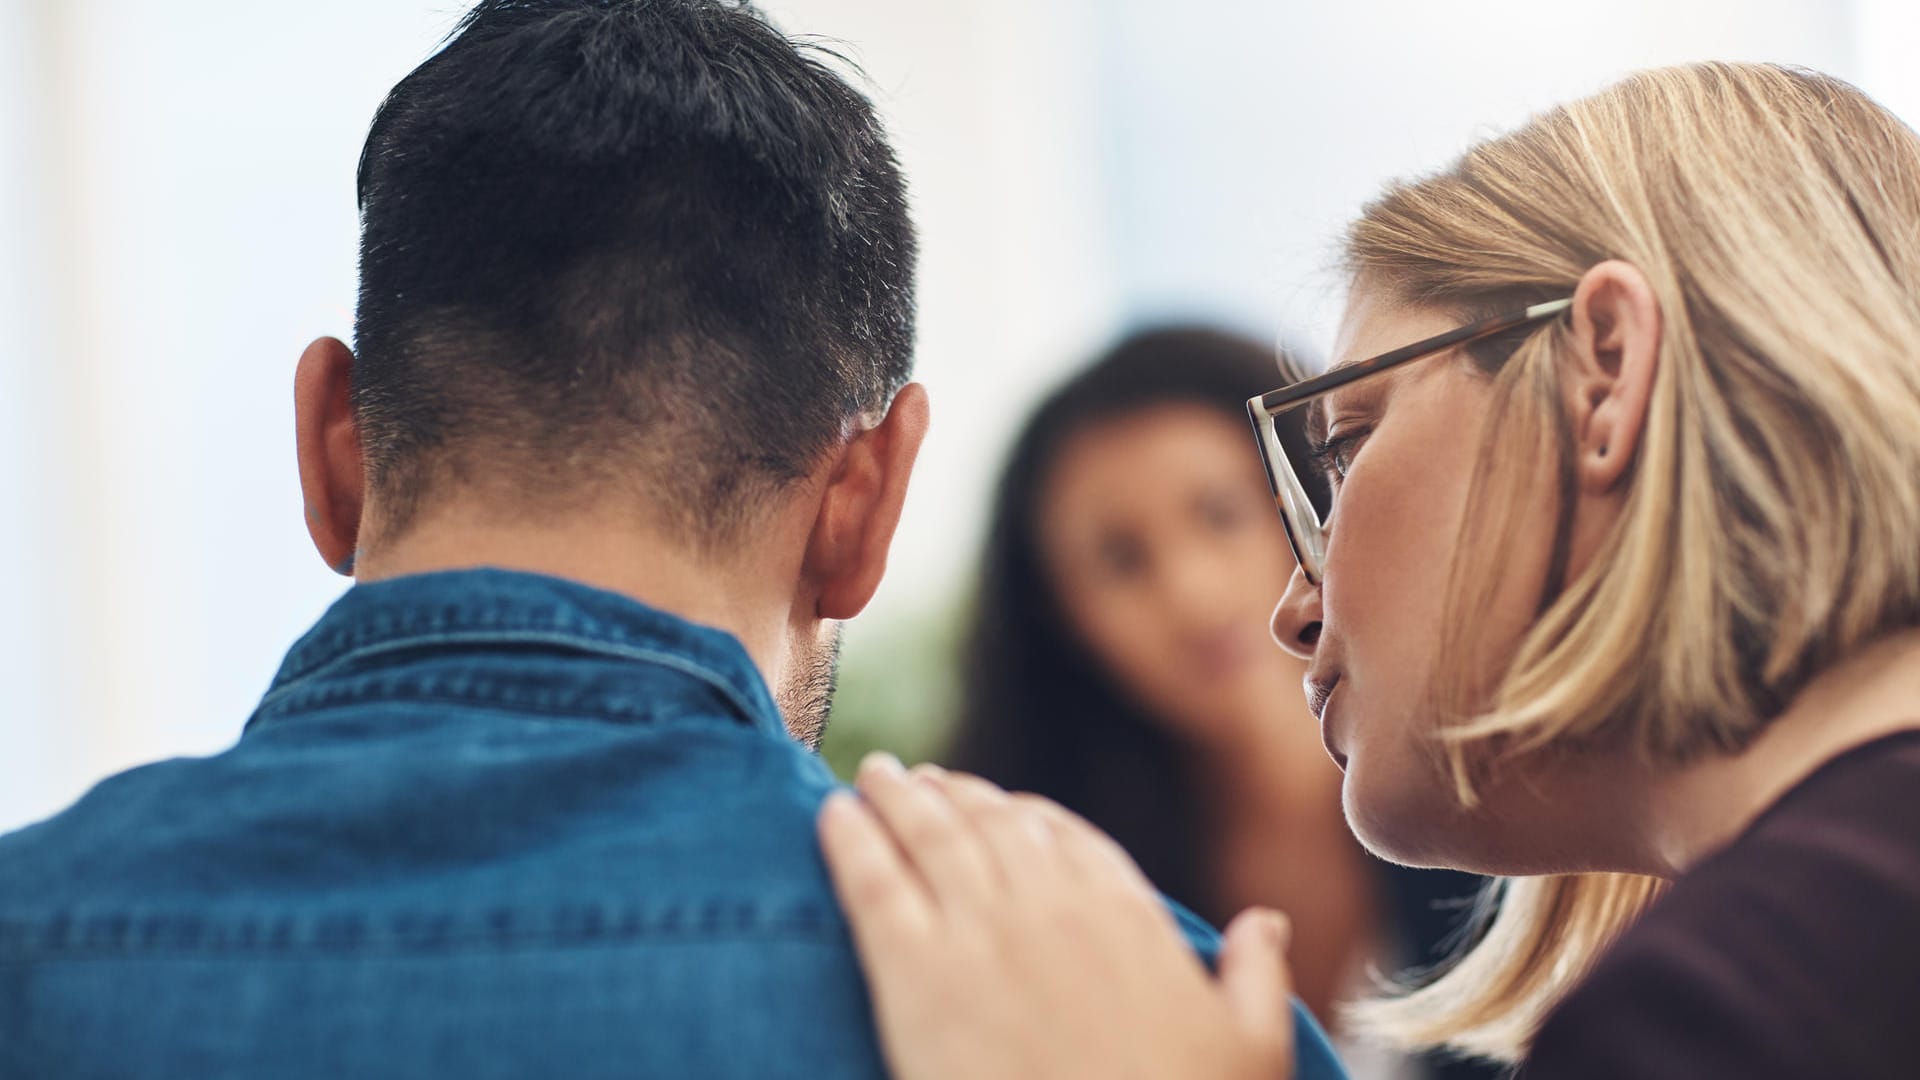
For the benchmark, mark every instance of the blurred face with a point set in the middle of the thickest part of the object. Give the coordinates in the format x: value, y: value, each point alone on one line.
x: 1159, y: 535
x: 1403, y: 447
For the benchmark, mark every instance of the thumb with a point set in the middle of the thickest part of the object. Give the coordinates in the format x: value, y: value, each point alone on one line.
x: 1255, y: 978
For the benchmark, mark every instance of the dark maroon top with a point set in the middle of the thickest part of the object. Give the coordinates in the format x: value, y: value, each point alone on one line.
x: 1793, y: 952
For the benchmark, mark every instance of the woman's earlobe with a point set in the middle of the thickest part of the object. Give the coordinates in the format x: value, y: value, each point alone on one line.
x: 1617, y: 321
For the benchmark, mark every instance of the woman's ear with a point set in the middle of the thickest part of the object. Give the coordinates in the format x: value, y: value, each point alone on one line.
x: 1616, y: 339
x: 861, y: 505
x: 332, y: 477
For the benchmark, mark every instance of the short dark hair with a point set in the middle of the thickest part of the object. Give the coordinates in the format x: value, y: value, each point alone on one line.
x: 651, y: 243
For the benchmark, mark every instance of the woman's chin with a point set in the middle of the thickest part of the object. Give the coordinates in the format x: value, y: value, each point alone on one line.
x: 1418, y: 825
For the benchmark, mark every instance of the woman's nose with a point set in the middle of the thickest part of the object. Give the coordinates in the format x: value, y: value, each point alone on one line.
x: 1296, y: 622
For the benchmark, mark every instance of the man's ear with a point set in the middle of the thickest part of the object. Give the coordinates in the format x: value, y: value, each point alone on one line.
x: 860, y: 508
x: 332, y: 479
x: 1616, y: 331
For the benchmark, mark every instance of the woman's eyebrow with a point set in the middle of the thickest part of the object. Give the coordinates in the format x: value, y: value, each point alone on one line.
x: 1316, y: 426
x: 1369, y: 394
x: 1317, y: 421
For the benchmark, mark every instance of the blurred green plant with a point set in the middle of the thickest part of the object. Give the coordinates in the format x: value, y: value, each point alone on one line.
x: 899, y: 687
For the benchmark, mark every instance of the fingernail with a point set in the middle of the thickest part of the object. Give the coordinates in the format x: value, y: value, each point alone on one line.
x: 879, y: 761
x: 838, y: 803
x: 1280, y: 929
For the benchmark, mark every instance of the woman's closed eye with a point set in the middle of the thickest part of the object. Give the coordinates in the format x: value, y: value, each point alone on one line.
x: 1333, y: 457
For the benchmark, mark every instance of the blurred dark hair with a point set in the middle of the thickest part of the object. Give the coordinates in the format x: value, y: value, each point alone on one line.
x: 642, y: 242
x: 1038, y: 711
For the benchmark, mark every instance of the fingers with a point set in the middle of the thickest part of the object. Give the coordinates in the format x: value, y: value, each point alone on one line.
x: 1018, y: 839
x: 884, y: 901
x: 1090, y: 853
x: 1256, y: 980
x: 968, y: 840
x: 1029, y: 837
x: 933, y: 838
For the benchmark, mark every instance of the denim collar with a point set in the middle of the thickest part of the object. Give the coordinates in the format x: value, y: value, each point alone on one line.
x: 488, y: 607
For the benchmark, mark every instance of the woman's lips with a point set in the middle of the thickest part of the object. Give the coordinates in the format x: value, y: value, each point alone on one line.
x: 1319, y: 701
x: 1318, y: 691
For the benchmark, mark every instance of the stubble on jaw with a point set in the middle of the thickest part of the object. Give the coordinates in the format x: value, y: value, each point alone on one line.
x: 806, y: 696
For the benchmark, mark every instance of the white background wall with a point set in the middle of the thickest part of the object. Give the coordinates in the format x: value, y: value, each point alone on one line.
x: 176, y: 221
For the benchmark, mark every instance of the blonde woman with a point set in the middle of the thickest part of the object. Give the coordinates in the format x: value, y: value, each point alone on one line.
x: 1615, y: 593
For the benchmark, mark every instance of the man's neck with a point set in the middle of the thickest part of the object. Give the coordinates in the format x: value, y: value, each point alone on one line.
x: 631, y: 558
x: 1701, y: 808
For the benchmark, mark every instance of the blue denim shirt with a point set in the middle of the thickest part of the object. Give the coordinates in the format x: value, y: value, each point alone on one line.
x: 483, y: 824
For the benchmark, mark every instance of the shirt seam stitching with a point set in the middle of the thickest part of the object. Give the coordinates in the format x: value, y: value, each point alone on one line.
x: 628, y: 652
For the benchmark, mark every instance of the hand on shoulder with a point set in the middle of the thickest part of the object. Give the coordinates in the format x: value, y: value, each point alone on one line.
x: 1003, y: 936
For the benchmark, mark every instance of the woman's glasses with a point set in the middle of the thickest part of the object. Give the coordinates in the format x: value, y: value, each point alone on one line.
x: 1304, y: 496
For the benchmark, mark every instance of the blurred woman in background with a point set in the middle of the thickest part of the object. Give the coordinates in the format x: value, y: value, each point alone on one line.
x: 1120, y: 661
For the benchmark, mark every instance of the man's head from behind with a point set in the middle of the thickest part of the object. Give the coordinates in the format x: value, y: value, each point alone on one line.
x: 629, y: 268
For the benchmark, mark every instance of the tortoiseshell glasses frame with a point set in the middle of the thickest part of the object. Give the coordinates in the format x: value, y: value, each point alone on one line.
x: 1305, y: 522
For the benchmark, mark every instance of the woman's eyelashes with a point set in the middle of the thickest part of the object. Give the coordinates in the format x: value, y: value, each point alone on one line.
x: 1333, y: 456
x: 1350, y: 417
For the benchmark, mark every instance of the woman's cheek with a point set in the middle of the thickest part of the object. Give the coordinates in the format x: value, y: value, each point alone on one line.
x: 1126, y: 637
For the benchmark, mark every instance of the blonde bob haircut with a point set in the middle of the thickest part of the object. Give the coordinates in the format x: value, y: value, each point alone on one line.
x: 1772, y: 519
